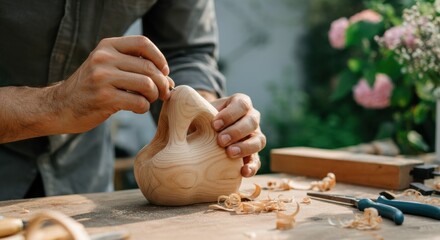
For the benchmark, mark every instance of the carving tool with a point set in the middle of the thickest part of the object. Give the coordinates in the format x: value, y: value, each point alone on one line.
x: 384, y: 210
x: 171, y: 82
x: 10, y: 227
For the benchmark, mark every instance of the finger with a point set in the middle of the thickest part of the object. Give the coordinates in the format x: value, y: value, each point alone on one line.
x: 251, y: 165
x: 240, y: 129
x: 137, y: 83
x: 237, y: 106
x: 171, y: 83
x: 146, y: 67
x: 255, y: 143
x: 136, y: 103
x: 140, y: 46
x: 220, y: 103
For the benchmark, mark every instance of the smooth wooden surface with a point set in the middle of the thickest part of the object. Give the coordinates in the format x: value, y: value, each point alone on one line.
x: 128, y: 210
x: 356, y: 168
x: 183, y: 166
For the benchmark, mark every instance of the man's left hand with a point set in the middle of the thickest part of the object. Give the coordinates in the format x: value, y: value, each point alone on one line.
x: 238, y: 125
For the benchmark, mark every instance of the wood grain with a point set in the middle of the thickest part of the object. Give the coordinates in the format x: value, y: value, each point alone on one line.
x: 362, y: 169
x: 179, y: 166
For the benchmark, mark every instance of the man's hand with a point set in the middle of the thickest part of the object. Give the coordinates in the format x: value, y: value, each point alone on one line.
x: 126, y: 73
x: 238, y: 124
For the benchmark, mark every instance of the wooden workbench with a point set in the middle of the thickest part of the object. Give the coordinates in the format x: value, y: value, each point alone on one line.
x: 129, y: 210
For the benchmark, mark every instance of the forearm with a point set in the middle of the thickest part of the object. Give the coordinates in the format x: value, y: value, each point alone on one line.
x: 28, y: 112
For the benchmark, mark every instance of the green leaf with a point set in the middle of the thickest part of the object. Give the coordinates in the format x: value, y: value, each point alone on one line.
x: 420, y: 113
x: 386, y: 130
x: 346, y: 82
x: 389, y: 65
x: 358, y: 31
x: 355, y: 65
x: 417, y: 141
x: 370, y: 75
x: 401, y: 96
x: 425, y: 90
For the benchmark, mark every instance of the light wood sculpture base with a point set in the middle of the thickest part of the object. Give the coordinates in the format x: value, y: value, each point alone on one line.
x: 178, y: 168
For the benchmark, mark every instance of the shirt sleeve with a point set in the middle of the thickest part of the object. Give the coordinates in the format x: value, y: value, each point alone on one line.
x: 186, y: 32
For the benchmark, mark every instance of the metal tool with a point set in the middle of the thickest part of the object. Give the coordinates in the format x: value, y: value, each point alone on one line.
x: 384, y: 210
x: 423, y: 172
x: 171, y: 82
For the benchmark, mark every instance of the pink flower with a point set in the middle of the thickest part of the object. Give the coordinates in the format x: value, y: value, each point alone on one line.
x: 376, y: 98
x: 398, y: 36
x: 336, y: 35
x: 367, y: 16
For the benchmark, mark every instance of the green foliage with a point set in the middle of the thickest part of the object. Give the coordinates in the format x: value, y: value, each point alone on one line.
x: 325, y: 115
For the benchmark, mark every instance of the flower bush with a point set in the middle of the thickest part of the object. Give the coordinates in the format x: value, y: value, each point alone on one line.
x: 393, y: 67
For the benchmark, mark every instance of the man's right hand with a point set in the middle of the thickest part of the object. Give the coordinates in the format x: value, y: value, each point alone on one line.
x: 125, y: 73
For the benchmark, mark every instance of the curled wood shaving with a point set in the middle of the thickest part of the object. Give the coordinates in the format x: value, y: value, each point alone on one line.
x: 286, y: 221
x: 326, y: 184
x: 237, y: 202
x: 416, y: 196
x: 252, y: 196
x: 233, y: 203
x: 369, y: 220
x: 285, y: 184
x: 306, y: 200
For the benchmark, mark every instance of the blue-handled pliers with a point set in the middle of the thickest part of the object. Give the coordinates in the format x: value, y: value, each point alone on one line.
x: 391, y: 209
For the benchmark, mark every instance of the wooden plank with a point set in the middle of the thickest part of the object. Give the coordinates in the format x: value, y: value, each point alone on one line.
x: 362, y: 169
x: 128, y: 210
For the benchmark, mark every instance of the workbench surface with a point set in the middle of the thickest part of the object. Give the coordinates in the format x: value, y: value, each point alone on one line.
x: 130, y: 211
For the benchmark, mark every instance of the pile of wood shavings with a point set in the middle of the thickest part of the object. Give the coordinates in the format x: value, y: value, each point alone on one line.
x: 416, y: 196
x: 285, y: 184
x: 243, y: 204
x: 369, y: 220
x: 246, y: 204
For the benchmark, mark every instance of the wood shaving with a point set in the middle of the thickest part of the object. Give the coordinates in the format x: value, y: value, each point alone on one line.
x: 369, y: 220
x: 416, y: 196
x: 234, y: 203
x: 286, y: 221
x: 253, y: 195
x: 243, y: 204
x: 285, y: 184
x: 306, y: 200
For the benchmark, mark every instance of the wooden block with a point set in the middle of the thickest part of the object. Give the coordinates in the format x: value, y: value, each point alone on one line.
x: 362, y: 169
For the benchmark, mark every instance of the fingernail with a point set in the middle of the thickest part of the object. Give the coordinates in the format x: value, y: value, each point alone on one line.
x: 234, y: 151
x: 166, y: 70
x: 218, y: 124
x: 225, y: 138
x: 246, y: 171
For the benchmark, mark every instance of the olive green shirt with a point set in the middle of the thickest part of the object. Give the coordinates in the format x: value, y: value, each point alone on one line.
x: 45, y: 41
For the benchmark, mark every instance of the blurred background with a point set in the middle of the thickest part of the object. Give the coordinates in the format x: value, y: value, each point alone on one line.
x: 278, y: 53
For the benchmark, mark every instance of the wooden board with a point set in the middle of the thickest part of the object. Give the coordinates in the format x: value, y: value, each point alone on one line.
x: 128, y: 210
x: 362, y: 169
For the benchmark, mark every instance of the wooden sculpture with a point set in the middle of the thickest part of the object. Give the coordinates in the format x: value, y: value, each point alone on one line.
x: 182, y: 166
